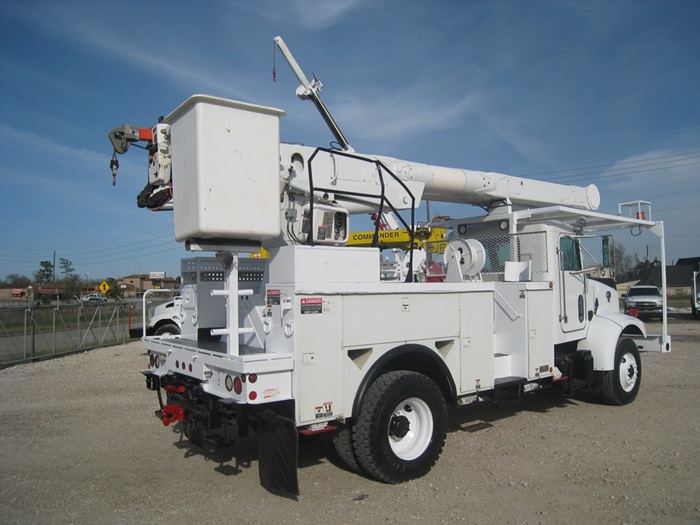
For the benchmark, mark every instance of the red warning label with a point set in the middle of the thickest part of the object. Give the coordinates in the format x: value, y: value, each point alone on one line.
x: 273, y: 297
x: 312, y: 305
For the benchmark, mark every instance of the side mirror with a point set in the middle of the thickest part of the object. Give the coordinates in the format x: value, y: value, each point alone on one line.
x: 607, y: 250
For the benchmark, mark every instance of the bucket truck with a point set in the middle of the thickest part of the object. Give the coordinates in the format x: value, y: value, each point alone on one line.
x: 311, y: 340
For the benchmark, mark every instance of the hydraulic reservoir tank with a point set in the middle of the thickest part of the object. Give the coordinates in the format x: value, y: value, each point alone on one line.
x: 225, y: 165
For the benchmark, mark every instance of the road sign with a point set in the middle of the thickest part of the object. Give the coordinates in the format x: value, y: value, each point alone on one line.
x: 104, y: 287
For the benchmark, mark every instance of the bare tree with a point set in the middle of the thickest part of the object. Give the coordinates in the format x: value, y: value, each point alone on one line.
x: 66, y: 267
x: 625, y: 264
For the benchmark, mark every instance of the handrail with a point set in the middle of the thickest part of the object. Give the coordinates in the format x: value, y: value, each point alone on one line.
x: 381, y: 197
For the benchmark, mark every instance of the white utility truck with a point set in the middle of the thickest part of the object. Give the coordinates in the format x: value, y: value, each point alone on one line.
x: 312, y: 340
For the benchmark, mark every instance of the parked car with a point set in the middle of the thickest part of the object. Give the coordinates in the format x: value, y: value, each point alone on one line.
x: 94, y: 298
x: 644, y: 300
x: 165, y: 319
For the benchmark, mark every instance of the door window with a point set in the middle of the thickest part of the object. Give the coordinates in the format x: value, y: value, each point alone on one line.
x: 570, y: 255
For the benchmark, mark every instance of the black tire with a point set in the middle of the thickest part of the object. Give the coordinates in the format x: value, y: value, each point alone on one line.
x: 167, y: 328
x: 621, y: 385
x: 401, y: 428
x: 342, y: 441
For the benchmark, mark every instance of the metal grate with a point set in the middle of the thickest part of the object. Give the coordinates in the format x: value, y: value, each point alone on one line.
x: 211, y: 276
x: 499, y: 249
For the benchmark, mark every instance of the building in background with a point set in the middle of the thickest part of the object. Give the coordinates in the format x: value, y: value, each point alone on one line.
x: 135, y: 285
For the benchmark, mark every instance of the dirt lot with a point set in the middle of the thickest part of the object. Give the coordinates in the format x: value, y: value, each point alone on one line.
x: 79, y: 444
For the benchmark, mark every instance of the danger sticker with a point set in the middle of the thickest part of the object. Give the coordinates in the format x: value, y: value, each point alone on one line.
x: 326, y: 410
x: 273, y: 297
x: 312, y: 305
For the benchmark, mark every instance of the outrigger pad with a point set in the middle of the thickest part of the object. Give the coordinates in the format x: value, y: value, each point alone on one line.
x: 278, y: 453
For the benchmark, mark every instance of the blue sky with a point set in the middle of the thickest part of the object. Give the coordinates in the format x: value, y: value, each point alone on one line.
x: 576, y: 92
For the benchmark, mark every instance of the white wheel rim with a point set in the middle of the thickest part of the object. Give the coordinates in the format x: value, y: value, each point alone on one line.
x: 629, y: 372
x: 416, y: 440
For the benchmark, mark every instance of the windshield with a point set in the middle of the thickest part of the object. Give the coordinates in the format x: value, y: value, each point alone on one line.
x: 644, y: 291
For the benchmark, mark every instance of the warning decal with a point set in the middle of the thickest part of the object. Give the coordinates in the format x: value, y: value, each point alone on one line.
x: 273, y: 297
x: 312, y: 305
x: 324, y: 411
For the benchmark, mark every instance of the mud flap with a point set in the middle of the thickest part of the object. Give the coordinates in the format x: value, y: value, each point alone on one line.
x: 278, y: 453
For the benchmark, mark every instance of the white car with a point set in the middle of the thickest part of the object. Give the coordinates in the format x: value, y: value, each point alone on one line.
x: 93, y: 298
x: 645, y: 300
x: 165, y: 319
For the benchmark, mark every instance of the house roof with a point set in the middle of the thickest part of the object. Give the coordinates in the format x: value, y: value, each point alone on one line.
x: 675, y: 276
x: 689, y: 261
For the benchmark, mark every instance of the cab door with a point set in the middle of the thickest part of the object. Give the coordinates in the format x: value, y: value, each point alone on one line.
x: 572, y: 289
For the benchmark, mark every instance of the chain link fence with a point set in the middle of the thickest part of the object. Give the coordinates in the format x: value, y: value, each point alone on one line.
x: 35, y: 332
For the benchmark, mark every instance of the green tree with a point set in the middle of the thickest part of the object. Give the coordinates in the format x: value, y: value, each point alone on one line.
x: 15, y: 280
x: 44, y: 274
x: 66, y: 267
x: 72, y: 286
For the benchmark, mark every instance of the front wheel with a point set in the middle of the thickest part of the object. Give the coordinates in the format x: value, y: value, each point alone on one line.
x: 167, y: 328
x: 621, y: 385
x: 401, y: 428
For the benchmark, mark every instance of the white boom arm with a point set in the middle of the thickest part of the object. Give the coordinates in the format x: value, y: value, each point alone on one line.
x: 483, y: 188
x: 338, y: 172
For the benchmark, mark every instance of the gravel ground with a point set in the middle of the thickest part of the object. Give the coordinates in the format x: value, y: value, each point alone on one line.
x: 79, y: 444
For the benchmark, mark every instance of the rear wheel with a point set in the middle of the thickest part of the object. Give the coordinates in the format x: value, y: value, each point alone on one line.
x: 621, y: 385
x: 342, y: 441
x: 401, y: 428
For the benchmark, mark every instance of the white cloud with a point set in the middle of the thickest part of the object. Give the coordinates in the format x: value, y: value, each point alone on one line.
x: 62, y: 176
x: 510, y: 130
x: 158, y: 52
x: 668, y: 179
x: 658, y: 173
x: 313, y: 15
x: 395, y: 116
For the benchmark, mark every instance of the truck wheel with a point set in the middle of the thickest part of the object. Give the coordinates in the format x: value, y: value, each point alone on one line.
x: 342, y: 441
x: 621, y: 385
x: 401, y: 428
x: 168, y: 328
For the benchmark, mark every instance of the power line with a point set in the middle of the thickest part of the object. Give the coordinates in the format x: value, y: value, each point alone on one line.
x: 667, y: 210
x: 116, y: 239
x: 177, y: 248
x: 30, y: 256
x: 120, y: 250
x: 611, y: 175
x: 596, y: 167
